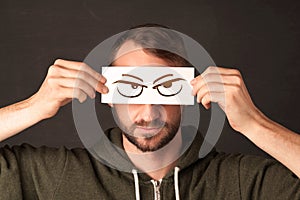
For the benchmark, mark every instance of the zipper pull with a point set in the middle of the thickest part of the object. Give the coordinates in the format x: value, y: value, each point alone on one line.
x: 156, y: 186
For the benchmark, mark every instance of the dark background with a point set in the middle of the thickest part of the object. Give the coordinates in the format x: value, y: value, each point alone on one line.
x: 260, y: 38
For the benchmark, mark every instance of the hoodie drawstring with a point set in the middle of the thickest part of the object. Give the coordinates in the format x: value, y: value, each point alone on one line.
x: 137, y: 189
x: 176, y: 187
x: 136, y: 184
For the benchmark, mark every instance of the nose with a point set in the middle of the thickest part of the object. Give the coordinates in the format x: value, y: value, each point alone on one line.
x: 148, y: 112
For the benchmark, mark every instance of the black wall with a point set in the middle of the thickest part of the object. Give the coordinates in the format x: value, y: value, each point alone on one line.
x: 260, y: 38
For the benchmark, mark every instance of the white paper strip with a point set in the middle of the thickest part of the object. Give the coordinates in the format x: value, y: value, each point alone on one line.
x: 148, y: 85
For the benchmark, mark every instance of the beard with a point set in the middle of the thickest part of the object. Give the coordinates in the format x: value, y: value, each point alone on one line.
x: 152, y: 142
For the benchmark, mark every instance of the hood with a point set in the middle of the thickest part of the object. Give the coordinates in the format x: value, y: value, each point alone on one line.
x: 109, y: 149
x: 111, y: 152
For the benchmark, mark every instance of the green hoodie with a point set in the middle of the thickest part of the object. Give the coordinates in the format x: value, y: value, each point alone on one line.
x: 49, y: 173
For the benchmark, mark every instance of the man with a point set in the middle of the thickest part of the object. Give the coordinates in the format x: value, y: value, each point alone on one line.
x: 46, y: 173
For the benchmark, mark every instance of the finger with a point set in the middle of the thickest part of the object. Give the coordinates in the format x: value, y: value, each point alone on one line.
x: 81, y: 67
x: 74, y: 93
x: 233, y: 83
x: 210, y: 79
x: 201, y: 94
x: 58, y: 71
x: 75, y: 83
x: 79, y: 94
x: 197, y: 84
x: 196, y: 79
x: 65, y: 95
x: 206, y: 102
x: 210, y: 88
x: 221, y: 70
x: 204, y: 79
x: 223, y: 78
x: 216, y: 97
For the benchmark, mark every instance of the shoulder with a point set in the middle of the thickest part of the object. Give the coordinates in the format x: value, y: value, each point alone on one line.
x: 241, y: 164
x: 246, y: 176
x: 26, y: 154
x: 258, y: 176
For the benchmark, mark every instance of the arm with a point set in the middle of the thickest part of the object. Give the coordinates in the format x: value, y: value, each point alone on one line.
x: 65, y: 80
x: 18, y: 112
x: 278, y: 141
x: 226, y: 87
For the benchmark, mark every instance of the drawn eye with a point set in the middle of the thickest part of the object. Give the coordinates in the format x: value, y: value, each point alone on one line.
x: 167, y: 84
x: 129, y: 89
x: 169, y: 88
x: 134, y: 86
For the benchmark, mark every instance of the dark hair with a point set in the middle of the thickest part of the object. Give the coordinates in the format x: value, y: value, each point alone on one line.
x: 151, y: 37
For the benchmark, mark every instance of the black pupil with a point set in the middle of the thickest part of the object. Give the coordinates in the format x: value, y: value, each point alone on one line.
x: 167, y: 84
x: 134, y: 86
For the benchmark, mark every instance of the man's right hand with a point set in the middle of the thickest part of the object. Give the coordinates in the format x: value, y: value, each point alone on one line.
x: 66, y: 80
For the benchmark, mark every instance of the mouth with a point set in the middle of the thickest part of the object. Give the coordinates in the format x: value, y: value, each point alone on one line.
x: 146, y: 131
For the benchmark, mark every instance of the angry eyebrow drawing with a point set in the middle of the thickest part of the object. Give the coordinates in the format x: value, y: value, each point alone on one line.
x: 132, y: 89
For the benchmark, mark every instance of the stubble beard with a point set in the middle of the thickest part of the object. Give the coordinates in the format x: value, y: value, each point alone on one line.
x: 150, y: 143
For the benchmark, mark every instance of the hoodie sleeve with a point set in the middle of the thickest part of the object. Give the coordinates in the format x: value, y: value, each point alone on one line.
x: 30, y: 173
x: 262, y: 178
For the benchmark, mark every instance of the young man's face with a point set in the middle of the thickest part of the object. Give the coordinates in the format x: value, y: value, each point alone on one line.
x: 148, y: 127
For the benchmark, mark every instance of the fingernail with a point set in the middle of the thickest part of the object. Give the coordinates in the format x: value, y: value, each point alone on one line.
x: 103, y: 80
x: 192, y: 81
x: 105, y: 90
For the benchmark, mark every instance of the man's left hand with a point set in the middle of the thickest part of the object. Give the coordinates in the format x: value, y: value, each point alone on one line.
x: 226, y: 87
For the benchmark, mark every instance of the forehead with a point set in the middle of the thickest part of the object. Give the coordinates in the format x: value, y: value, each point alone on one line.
x: 133, y: 55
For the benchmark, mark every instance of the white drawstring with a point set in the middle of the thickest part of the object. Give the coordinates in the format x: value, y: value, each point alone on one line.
x: 176, y: 170
x: 136, y: 184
